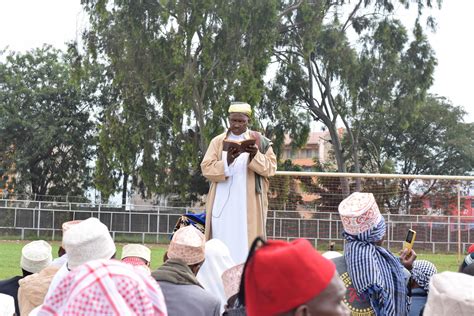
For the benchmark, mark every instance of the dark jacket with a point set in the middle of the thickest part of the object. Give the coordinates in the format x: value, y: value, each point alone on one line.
x: 10, y: 287
x: 418, y: 301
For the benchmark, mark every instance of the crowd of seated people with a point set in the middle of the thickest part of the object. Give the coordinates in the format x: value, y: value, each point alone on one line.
x: 201, y: 278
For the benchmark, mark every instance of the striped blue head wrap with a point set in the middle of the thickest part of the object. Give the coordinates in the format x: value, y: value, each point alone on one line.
x: 376, y: 272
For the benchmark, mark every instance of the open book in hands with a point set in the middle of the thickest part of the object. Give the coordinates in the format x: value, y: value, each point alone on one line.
x: 240, y: 146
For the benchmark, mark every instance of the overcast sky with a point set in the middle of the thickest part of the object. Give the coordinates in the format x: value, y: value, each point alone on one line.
x: 25, y: 24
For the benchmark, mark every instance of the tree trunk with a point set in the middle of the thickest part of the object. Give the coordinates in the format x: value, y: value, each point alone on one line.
x: 124, y: 190
x: 341, y: 166
x: 355, y: 156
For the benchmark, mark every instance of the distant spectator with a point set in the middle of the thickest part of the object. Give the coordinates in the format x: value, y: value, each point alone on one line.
x: 468, y: 260
x: 85, y: 241
x: 7, y: 305
x: 374, y: 272
x: 450, y: 294
x: 105, y: 287
x: 419, y: 284
x: 138, y: 256
x: 470, y: 249
x: 282, y: 278
x: 231, y: 280
x: 469, y: 270
x: 35, y: 256
x: 184, y: 295
x: 217, y: 261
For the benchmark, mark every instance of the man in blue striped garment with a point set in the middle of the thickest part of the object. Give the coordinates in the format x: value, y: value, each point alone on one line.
x: 375, y: 272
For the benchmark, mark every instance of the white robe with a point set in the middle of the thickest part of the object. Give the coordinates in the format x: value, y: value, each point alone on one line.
x: 229, y: 212
x: 217, y: 261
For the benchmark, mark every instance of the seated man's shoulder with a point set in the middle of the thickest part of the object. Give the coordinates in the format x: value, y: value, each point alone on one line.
x: 11, y: 281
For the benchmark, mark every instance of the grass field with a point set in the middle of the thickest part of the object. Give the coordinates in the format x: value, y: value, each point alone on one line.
x: 10, y: 252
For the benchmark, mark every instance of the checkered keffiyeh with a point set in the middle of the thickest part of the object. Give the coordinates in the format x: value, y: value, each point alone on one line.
x: 422, y: 272
x: 376, y: 272
x: 106, y: 287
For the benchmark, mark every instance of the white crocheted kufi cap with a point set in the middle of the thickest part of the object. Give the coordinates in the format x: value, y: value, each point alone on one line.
x: 136, y: 250
x: 450, y: 293
x: 359, y: 212
x: 35, y: 256
x: 188, y: 244
x: 86, y: 241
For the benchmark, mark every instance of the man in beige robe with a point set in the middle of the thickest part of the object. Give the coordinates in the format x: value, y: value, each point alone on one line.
x: 238, y: 178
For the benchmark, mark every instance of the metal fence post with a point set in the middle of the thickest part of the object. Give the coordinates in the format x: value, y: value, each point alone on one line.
x: 330, y: 226
x: 54, y: 230
x: 39, y: 221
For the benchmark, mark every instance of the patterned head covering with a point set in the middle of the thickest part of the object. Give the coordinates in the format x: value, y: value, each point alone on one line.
x: 359, y: 212
x: 188, y: 244
x: 422, y: 272
x: 376, y: 272
x: 105, y: 287
x: 240, y: 107
x: 231, y: 279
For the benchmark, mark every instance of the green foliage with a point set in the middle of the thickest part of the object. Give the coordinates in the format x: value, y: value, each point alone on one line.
x: 45, y: 131
x: 335, y: 78
x: 174, y: 66
x: 284, y: 193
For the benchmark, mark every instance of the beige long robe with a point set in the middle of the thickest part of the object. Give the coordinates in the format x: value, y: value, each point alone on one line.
x: 257, y: 204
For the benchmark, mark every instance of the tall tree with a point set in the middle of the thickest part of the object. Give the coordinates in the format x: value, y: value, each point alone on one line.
x: 45, y: 130
x: 433, y: 140
x: 340, y: 60
x: 175, y: 65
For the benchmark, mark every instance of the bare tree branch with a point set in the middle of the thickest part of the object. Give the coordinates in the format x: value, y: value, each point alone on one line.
x: 292, y: 7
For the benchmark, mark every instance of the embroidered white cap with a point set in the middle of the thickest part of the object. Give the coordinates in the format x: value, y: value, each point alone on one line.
x: 188, y: 244
x: 86, y: 241
x: 450, y: 293
x: 136, y: 250
x: 359, y: 212
x: 35, y: 256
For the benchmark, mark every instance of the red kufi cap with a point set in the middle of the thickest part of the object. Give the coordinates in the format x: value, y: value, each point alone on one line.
x: 470, y: 249
x: 281, y: 276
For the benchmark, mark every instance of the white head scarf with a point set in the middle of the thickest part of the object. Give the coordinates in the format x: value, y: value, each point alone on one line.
x: 217, y: 261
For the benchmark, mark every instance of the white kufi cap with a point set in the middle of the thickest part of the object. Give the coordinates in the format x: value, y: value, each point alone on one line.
x: 86, y: 241
x: 450, y: 293
x: 136, y: 250
x: 35, y: 256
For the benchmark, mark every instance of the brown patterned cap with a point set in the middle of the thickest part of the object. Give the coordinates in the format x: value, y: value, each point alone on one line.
x: 188, y: 244
x: 231, y: 279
